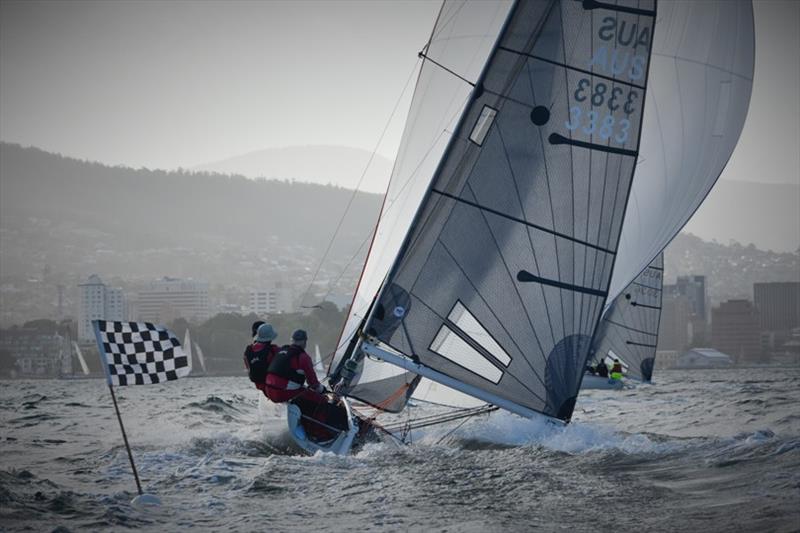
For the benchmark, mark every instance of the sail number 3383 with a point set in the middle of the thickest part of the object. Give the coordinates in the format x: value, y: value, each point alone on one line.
x: 604, y: 124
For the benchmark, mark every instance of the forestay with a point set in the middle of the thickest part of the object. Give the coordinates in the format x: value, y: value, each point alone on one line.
x: 701, y: 76
x: 502, y: 278
x: 629, y: 328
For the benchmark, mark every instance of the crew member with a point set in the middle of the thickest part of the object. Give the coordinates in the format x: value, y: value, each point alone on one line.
x: 259, y: 355
x: 602, y: 369
x: 290, y: 370
x: 616, y: 370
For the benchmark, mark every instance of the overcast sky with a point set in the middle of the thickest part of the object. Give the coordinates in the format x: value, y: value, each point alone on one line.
x: 163, y: 85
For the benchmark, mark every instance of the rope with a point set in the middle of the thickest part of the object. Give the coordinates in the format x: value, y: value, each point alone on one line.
x: 358, y: 185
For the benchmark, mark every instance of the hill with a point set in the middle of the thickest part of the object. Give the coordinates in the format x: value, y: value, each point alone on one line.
x: 54, y: 208
x: 313, y: 164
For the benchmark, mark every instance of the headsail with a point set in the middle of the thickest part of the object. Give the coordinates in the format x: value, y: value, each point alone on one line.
x: 462, y: 39
x: 629, y: 329
x: 500, y: 283
x: 701, y: 76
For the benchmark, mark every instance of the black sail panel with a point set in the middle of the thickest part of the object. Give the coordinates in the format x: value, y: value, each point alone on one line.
x: 629, y: 328
x: 507, y: 265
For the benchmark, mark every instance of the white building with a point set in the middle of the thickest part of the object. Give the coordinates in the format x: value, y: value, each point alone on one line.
x: 277, y: 298
x: 169, y: 298
x: 704, y: 358
x: 98, y: 302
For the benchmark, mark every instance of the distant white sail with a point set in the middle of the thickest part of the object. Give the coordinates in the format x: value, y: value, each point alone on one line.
x: 200, y: 358
x: 187, y: 345
x: 81, y: 360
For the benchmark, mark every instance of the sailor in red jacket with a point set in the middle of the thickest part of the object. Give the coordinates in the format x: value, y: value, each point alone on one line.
x: 290, y: 369
x: 259, y: 355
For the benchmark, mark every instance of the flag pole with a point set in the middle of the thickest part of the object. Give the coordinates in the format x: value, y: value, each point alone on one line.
x: 125, y: 439
x: 104, y: 364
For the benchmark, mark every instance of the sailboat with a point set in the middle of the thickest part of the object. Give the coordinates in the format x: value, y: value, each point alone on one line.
x: 528, y: 152
x: 628, y: 332
x: 195, y: 353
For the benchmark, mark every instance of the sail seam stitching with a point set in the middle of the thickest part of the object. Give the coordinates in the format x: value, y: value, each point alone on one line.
x: 521, y: 221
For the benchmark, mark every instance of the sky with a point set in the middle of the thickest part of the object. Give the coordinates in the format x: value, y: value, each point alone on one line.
x: 180, y: 84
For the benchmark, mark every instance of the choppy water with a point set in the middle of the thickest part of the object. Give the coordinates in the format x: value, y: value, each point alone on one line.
x: 709, y: 450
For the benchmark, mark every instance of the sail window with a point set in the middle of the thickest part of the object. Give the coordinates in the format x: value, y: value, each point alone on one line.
x: 466, y: 322
x: 450, y: 346
x: 482, y: 125
x: 723, y: 103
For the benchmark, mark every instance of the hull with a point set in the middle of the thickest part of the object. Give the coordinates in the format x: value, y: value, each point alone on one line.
x: 342, y: 441
x: 597, y: 382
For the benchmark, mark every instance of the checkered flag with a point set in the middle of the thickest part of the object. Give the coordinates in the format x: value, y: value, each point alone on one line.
x: 140, y: 353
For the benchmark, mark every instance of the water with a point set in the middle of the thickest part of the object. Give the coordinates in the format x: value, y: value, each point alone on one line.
x: 712, y: 450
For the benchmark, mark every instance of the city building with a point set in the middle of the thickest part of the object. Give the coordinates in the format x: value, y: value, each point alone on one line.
x: 98, y: 302
x: 675, y: 330
x: 735, y: 330
x: 275, y: 298
x: 779, y: 311
x: 694, y: 288
x: 167, y: 299
x: 37, y: 354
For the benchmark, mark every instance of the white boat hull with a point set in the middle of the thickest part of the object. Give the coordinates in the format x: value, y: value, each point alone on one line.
x: 339, y: 445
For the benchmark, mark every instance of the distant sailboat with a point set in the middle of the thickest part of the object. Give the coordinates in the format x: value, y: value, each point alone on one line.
x: 499, y: 243
x: 81, y: 360
x: 629, y: 330
x: 200, y: 358
x: 197, y: 353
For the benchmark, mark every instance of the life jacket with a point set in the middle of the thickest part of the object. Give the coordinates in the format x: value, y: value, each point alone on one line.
x: 258, y: 362
x: 616, y: 371
x: 281, y: 364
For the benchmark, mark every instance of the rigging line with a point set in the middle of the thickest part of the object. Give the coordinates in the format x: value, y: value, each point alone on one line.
x: 456, y: 412
x: 360, y: 180
x: 595, y: 4
x: 466, y: 419
x: 459, y: 76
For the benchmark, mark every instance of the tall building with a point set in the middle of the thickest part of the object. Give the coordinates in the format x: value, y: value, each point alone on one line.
x: 675, y: 330
x: 276, y: 298
x: 166, y: 299
x: 694, y: 288
x: 735, y: 330
x: 98, y: 302
x: 778, y: 305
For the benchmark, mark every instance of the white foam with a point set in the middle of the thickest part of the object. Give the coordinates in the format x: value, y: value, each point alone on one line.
x: 504, y: 428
